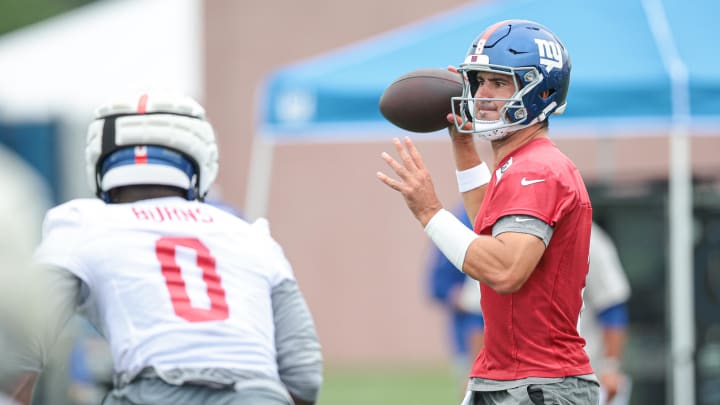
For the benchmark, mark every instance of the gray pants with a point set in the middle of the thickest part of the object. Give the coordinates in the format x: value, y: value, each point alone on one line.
x: 154, y: 391
x: 570, y: 391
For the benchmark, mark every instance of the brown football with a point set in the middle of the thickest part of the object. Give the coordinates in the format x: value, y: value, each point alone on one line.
x: 419, y: 101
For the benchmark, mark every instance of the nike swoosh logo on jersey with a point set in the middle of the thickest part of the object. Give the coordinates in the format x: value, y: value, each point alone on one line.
x: 518, y: 219
x: 526, y: 182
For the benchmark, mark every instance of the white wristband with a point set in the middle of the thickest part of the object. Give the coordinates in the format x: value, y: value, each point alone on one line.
x: 451, y: 236
x: 472, y: 178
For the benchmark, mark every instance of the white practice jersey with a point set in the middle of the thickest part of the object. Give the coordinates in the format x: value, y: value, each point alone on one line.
x: 172, y: 283
x: 606, y: 286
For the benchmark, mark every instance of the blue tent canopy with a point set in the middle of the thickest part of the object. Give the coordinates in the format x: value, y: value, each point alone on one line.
x: 618, y: 71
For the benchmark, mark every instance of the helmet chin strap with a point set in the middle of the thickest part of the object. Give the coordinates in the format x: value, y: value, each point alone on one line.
x: 193, y: 192
x: 495, y: 133
x: 492, y: 134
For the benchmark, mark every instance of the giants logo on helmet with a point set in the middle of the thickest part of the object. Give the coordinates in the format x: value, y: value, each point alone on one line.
x: 550, y: 54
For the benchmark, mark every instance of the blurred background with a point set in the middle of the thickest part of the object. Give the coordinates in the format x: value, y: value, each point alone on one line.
x: 292, y: 88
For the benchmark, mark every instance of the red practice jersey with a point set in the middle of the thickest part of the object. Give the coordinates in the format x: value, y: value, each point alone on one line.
x: 533, y: 331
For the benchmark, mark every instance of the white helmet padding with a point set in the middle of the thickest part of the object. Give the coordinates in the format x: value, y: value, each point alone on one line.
x: 166, y: 120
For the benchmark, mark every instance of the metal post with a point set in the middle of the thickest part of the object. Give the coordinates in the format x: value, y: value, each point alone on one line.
x: 680, y: 280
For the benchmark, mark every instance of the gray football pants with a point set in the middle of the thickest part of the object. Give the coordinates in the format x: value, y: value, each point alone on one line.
x: 154, y: 391
x: 570, y: 391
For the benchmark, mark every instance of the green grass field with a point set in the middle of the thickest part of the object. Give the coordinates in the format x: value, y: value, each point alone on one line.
x: 389, y: 386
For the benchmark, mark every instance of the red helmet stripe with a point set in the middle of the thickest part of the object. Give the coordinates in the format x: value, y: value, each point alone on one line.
x: 142, y: 104
x: 140, y: 155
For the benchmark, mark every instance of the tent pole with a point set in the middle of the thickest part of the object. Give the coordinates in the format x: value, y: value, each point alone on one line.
x: 681, y: 270
x: 680, y: 279
x: 259, y: 178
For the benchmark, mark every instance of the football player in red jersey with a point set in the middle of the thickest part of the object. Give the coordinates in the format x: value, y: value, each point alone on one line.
x: 532, y: 218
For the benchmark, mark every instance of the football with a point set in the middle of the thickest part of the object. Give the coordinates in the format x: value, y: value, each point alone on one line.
x: 419, y: 101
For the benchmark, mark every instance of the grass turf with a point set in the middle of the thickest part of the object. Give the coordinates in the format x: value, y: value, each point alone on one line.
x: 407, y: 385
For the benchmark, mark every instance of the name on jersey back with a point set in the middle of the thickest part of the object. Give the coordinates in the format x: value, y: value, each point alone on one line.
x: 162, y: 213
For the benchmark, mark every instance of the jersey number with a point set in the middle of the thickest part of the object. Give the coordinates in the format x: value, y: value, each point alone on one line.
x: 165, y: 249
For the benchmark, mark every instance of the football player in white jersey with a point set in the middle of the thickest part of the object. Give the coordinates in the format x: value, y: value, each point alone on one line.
x: 198, y: 306
x: 604, y: 320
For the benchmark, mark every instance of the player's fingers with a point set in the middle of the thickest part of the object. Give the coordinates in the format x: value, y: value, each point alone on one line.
x: 404, y: 153
x: 389, y: 181
x: 454, y: 69
x: 451, y: 120
x: 455, y: 122
x: 396, y: 166
x: 414, y: 153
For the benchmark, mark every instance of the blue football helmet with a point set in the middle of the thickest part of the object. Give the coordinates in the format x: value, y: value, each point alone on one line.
x: 540, y: 69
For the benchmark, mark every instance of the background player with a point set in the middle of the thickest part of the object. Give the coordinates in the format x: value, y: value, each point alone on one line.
x: 198, y: 305
x: 604, y: 321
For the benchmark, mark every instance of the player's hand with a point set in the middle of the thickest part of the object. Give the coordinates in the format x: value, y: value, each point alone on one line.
x: 611, y: 381
x: 454, y: 298
x: 415, y: 183
x: 457, y: 136
x: 455, y: 120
